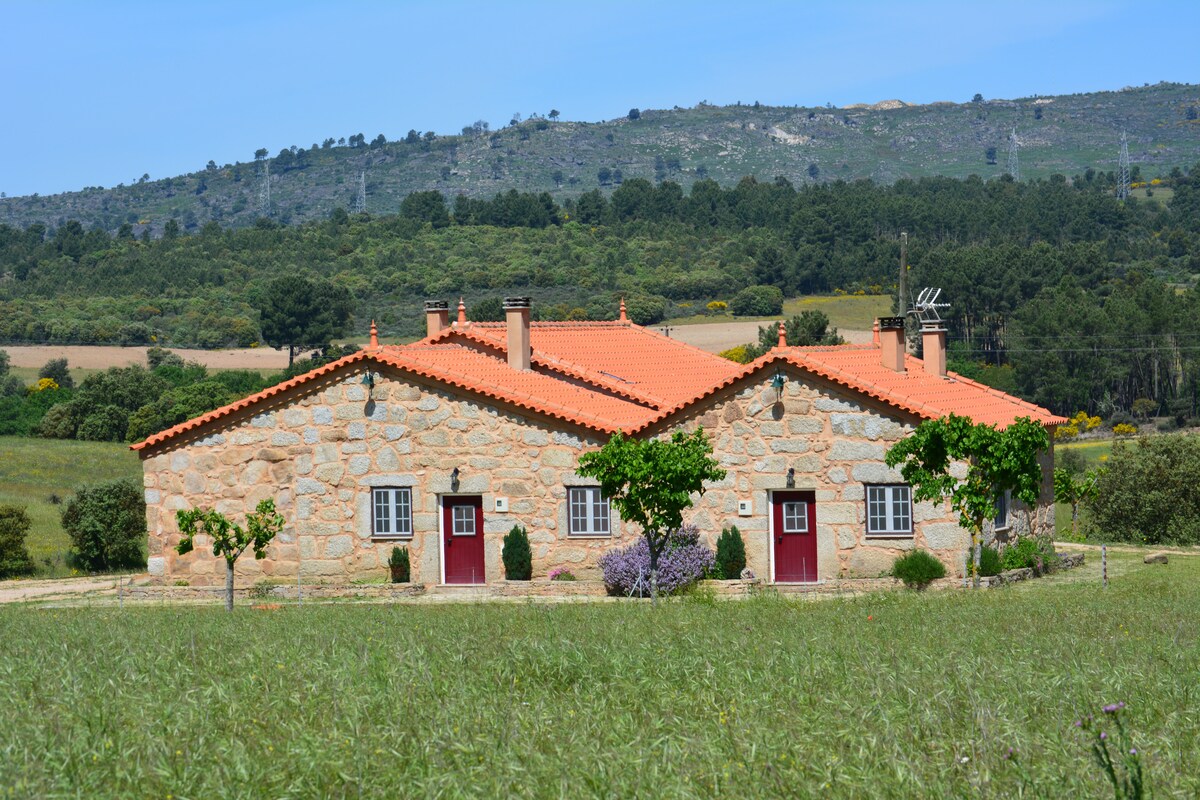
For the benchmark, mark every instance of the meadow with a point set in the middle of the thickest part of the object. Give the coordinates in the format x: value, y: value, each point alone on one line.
x: 893, y: 694
x: 35, y: 473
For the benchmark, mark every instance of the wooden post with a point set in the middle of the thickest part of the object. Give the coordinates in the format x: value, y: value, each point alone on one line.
x: 1104, y: 564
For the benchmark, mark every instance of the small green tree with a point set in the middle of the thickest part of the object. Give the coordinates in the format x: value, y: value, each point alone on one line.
x: 14, y: 527
x: 517, y: 555
x: 107, y: 525
x: 996, y: 461
x: 229, y: 541
x: 399, y: 565
x: 731, y: 553
x: 651, y: 482
x: 1075, y: 489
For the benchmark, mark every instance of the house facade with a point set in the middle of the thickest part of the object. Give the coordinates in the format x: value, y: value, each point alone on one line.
x: 442, y: 446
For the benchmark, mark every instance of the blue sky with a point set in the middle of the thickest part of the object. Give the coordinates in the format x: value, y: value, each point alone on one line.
x: 97, y: 93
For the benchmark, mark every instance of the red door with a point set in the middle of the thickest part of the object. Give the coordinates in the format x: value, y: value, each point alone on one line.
x: 462, y: 539
x: 794, y: 527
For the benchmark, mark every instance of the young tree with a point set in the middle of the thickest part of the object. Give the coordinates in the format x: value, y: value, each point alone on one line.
x: 651, y: 481
x: 301, y: 313
x: 56, y: 369
x: 14, y: 527
x: 997, y: 461
x: 107, y: 525
x: 229, y: 541
x: 1069, y: 488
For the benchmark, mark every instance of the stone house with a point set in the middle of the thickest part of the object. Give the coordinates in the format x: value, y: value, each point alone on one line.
x: 445, y: 444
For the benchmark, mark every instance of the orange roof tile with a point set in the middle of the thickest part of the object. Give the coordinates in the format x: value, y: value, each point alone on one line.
x: 861, y: 369
x: 610, y: 376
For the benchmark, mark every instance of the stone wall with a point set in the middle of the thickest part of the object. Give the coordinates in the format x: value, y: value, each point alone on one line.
x: 320, y: 450
x: 836, y: 445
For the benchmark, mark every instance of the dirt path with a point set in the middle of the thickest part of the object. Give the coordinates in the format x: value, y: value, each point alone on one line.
x: 59, y: 588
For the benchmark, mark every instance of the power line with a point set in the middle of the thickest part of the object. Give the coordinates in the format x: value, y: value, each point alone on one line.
x: 1014, y: 161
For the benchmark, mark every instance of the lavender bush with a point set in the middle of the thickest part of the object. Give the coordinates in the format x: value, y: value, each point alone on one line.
x: 684, y: 561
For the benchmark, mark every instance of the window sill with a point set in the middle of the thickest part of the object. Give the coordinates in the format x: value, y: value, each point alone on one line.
x: 379, y: 537
x: 589, y: 536
x: 908, y: 535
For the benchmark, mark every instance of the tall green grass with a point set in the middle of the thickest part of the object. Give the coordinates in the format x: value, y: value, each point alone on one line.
x: 35, y: 472
x: 888, y: 695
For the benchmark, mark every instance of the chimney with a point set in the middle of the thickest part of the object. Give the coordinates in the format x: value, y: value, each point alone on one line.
x: 933, y: 343
x: 516, y: 314
x: 437, y: 317
x: 891, y: 341
x: 462, y: 313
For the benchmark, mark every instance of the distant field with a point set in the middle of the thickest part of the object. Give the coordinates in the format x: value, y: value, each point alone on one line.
x: 899, y: 695
x: 1094, y: 453
x: 32, y: 470
x: 847, y: 311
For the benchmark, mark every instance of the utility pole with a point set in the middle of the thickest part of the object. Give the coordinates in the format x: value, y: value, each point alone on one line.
x: 1123, y: 170
x: 902, y: 300
x: 1014, y: 164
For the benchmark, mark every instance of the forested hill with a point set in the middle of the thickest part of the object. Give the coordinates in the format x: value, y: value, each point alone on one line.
x: 1075, y: 289
x: 1064, y: 135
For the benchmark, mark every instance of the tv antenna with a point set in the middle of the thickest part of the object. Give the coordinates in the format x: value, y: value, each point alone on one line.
x: 1014, y: 161
x: 1123, y: 170
x: 927, y: 305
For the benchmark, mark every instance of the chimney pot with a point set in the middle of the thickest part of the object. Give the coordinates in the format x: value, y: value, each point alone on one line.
x: 624, y: 318
x: 462, y: 313
x: 933, y: 343
x: 891, y: 342
x: 437, y: 317
x: 374, y: 336
x: 516, y: 316
x: 782, y: 334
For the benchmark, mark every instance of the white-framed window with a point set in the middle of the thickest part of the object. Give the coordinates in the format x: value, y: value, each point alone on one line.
x: 464, y: 520
x: 587, y: 511
x: 1002, y: 504
x: 391, y: 512
x: 795, y: 516
x: 889, y: 510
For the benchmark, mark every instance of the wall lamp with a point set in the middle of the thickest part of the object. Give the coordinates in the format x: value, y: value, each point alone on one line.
x: 779, y: 380
x: 368, y: 379
x: 454, y: 479
x: 791, y: 478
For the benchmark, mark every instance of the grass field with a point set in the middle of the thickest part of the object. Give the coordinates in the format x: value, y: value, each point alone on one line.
x: 846, y: 311
x: 885, y: 695
x: 31, y: 470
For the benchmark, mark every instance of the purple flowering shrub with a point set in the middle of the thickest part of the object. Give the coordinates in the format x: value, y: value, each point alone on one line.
x: 683, y: 561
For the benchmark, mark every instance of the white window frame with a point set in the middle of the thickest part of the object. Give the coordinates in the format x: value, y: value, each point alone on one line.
x: 398, y: 503
x: 896, y: 499
x: 464, y: 514
x: 1003, y: 519
x: 596, y: 515
x: 800, y: 509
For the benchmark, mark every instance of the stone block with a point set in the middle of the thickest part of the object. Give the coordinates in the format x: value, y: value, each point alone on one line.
x: 339, y: 547
x: 356, y: 430
x: 153, y: 497
x: 180, y: 461
x: 789, y: 446
x: 360, y: 465
x: 309, y: 486
x: 856, y: 451
x: 156, y: 566
x: 1155, y: 558
x: 805, y: 425
x: 870, y: 562
x: 266, y: 420
x: 944, y: 536
x: 330, y: 473
x: 876, y: 472
x: 322, y: 415
x: 295, y: 417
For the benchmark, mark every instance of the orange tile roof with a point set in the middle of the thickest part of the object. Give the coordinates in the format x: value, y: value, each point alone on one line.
x: 861, y: 369
x: 617, y: 353
x: 610, y: 376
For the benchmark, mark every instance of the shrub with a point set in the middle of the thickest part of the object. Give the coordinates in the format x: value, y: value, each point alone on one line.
x: 1124, y: 429
x: 107, y: 525
x: 989, y: 562
x: 14, y: 527
x: 684, y: 561
x: 562, y: 574
x: 517, y: 556
x: 399, y: 566
x: 757, y: 301
x: 1031, y: 552
x: 731, y: 554
x: 56, y: 369
x: 1147, y: 494
x: 918, y: 569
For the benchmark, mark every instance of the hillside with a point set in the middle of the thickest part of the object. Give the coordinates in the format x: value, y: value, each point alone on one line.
x: 884, y: 142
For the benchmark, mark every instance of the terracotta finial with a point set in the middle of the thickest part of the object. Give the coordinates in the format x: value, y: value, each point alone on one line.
x: 462, y: 312
x: 623, y: 317
x: 374, y: 336
x: 782, y: 334
x: 875, y: 333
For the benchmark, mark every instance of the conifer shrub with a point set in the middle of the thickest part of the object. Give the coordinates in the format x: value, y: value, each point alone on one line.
x: 399, y: 566
x: 731, y: 554
x: 517, y: 555
x: 14, y: 527
x: 989, y: 562
x: 917, y: 569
